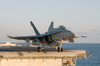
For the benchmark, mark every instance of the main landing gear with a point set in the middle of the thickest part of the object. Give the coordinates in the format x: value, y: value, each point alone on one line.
x: 60, y: 49
x: 57, y: 48
x: 39, y: 49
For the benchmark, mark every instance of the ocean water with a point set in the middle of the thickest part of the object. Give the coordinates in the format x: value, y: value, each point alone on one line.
x: 93, y: 60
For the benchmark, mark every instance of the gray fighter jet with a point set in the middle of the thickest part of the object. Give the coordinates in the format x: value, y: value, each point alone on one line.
x: 53, y: 37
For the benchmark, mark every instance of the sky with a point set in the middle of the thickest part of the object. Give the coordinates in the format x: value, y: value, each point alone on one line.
x: 80, y: 16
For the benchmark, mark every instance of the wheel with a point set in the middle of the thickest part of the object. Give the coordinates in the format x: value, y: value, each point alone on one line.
x: 61, y: 49
x: 58, y: 49
x: 38, y: 49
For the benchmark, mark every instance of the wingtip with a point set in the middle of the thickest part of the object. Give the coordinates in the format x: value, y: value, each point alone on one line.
x: 8, y: 36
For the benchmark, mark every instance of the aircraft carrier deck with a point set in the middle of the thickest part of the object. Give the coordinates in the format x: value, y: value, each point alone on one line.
x: 29, y: 56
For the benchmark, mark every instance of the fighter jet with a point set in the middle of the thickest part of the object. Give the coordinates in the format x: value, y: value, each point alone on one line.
x: 52, y: 38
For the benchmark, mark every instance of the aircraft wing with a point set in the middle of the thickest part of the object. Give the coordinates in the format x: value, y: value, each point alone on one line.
x: 24, y: 37
x: 32, y: 37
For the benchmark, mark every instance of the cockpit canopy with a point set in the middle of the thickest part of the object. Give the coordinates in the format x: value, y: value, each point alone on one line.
x: 61, y: 27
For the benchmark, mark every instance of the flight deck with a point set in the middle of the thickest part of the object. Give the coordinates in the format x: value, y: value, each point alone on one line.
x: 29, y: 56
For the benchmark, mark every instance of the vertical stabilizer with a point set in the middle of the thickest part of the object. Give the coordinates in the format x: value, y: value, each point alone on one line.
x: 35, y: 29
x: 51, y: 26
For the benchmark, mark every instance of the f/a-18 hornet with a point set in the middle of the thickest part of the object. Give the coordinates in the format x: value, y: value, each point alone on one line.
x: 53, y: 37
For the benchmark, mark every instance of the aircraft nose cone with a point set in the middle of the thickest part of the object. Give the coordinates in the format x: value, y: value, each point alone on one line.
x: 72, y: 34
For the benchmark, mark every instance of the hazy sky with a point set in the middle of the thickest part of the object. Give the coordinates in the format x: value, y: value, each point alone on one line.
x: 80, y: 16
